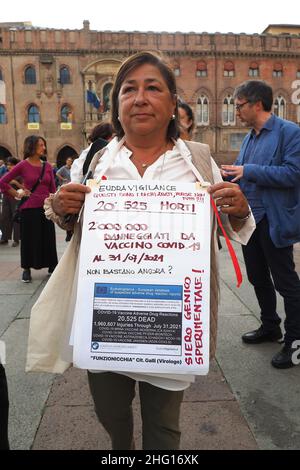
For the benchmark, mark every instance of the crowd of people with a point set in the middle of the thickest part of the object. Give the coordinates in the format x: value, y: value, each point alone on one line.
x: 14, y: 188
x: 151, y: 133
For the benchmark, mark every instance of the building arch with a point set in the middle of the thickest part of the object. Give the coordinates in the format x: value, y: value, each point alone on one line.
x: 181, y: 94
x: 176, y: 68
x: 253, y: 70
x: 30, y: 74
x: 201, y: 68
x: 97, y: 76
x: 33, y: 113
x: 229, y: 68
x: 202, y: 100
x: 283, y: 93
x: 202, y: 110
x: 3, y: 114
x: 279, y: 106
x: 64, y: 75
x: 102, y: 67
x: 224, y: 92
x: 228, y: 110
x: 65, y: 152
x: 106, y: 96
x: 204, y: 91
x: 277, y: 70
x: 5, y: 152
x: 281, y: 100
x: 66, y: 113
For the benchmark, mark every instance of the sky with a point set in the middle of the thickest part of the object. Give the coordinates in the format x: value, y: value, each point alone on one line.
x: 212, y: 16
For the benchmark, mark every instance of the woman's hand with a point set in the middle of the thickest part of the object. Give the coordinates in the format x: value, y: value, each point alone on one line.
x: 231, y: 200
x: 69, y: 199
x: 27, y: 192
x: 19, y: 193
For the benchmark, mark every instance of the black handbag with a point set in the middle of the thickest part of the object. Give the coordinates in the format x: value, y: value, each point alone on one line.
x: 17, y: 214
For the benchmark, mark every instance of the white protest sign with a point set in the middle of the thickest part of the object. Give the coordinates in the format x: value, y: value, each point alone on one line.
x: 144, y: 278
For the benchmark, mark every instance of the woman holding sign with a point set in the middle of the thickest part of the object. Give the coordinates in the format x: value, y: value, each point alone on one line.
x: 147, y: 147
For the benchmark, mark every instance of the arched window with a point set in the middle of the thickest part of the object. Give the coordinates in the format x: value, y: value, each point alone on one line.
x: 280, y: 107
x: 64, y: 75
x: 278, y: 70
x: 228, y: 69
x: 201, y: 70
x: 176, y: 68
x: 30, y: 76
x: 33, y: 113
x: 3, y: 119
x: 228, y: 114
x: 2, y: 89
x: 253, y: 70
x: 66, y: 114
x: 202, y: 111
x: 106, y: 96
x: 65, y: 153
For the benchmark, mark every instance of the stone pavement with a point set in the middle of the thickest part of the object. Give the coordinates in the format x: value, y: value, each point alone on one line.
x: 243, y: 403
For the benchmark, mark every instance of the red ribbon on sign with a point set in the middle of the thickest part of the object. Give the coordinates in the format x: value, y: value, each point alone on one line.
x: 230, y: 248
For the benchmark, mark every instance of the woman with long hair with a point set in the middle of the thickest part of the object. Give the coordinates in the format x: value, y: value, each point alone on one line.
x: 38, y: 245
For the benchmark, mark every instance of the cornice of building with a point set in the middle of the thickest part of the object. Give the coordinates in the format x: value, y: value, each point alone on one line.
x: 171, y: 53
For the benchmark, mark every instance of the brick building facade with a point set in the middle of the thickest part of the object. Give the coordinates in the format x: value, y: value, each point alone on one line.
x: 47, y: 73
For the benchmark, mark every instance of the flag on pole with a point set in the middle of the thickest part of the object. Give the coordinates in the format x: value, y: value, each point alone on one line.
x: 93, y: 98
x: 2, y: 92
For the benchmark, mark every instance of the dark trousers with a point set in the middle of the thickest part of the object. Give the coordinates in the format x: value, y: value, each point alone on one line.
x: 3, y: 410
x: 264, y: 260
x: 8, y: 226
x: 113, y: 395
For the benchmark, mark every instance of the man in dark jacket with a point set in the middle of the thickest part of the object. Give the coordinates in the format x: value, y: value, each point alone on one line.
x: 268, y: 171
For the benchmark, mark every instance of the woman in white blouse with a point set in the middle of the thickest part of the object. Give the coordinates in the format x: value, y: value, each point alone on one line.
x: 147, y: 147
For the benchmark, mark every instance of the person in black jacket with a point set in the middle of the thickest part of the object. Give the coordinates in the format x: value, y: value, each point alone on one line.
x: 99, y: 138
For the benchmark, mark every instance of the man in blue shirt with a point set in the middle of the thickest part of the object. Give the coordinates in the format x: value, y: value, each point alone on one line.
x: 268, y: 171
x: 64, y: 173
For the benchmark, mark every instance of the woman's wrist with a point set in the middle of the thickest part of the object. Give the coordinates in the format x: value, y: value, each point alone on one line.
x: 63, y: 221
x: 55, y: 204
